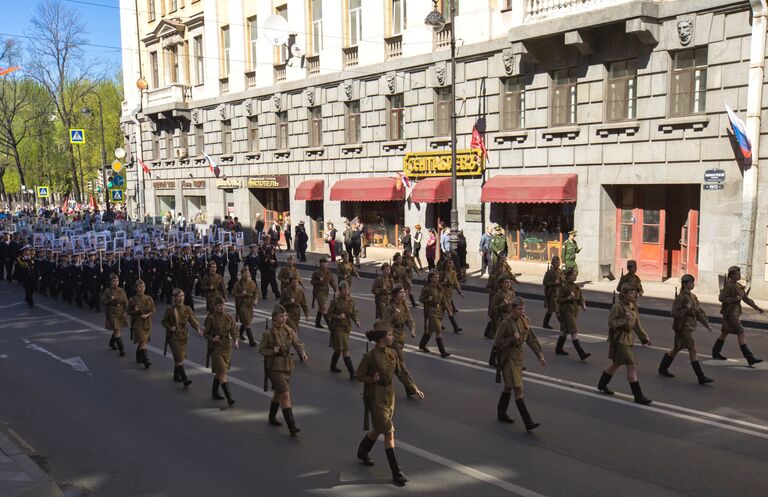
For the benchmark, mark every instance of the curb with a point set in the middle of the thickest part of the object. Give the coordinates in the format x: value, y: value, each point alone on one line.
x: 37, y: 483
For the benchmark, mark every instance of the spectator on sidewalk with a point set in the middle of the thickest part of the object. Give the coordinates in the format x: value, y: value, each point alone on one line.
x: 287, y: 232
x: 417, y: 238
x: 347, y: 234
x: 461, y: 252
x: 258, y: 227
x: 498, y: 244
x: 445, y: 242
x: 406, y: 240
x: 330, y: 239
x: 301, y: 242
x: 431, y: 250
x: 356, y: 243
x: 485, y: 251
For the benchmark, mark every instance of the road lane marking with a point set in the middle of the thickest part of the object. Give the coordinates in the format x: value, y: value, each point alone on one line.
x: 75, y: 363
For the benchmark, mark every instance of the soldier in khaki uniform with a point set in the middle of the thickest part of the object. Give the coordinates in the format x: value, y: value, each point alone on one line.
x: 382, y: 289
x: 294, y: 301
x: 500, y: 305
x: 553, y: 278
x: 499, y: 272
x: 276, y: 346
x: 175, y: 321
x: 115, y: 302
x: 376, y: 370
x: 345, y: 270
x: 407, y: 262
x: 731, y: 297
x: 686, y: 312
x: 435, y: 304
x: 450, y: 281
x: 246, y: 294
x: 342, y: 313
x: 631, y: 278
x: 623, y: 325
x: 511, y: 334
x: 322, y: 282
x: 398, y: 316
x: 287, y: 271
x: 222, y: 336
x: 141, y: 308
x: 212, y: 286
x: 570, y: 301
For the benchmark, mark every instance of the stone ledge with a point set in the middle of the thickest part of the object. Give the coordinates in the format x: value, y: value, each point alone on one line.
x: 312, y: 151
x: 285, y: 152
x: 569, y: 132
x: 253, y: 155
x: 439, y: 140
x: 695, y: 122
x: 511, y: 136
x: 227, y: 158
x: 394, y: 145
x: 627, y: 127
x: 199, y: 160
x: 354, y: 148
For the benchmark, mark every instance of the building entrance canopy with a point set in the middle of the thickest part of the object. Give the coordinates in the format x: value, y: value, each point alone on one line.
x: 432, y: 191
x: 531, y: 189
x: 368, y: 190
x: 310, y: 190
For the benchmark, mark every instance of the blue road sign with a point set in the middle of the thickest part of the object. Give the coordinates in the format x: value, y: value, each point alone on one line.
x: 117, y: 195
x: 76, y: 136
x: 118, y: 180
x: 42, y: 192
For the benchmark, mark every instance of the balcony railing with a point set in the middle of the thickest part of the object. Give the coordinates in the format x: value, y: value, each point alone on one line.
x: 313, y: 65
x: 442, y: 39
x: 350, y: 56
x: 555, y: 8
x: 394, y: 46
x: 224, y: 85
x: 279, y: 73
x: 171, y: 94
x: 250, y: 79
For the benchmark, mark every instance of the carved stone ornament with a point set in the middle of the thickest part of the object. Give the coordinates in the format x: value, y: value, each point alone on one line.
x: 249, y: 107
x: 152, y: 125
x: 346, y: 87
x: 685, y: 31
x: 309, y: 94
x: 391, y: 83
x: 223, y: 111
x: 195, y: 116
x: 171, y: 40
x: 558, y: 55
x: 440, y: 75
x: 276, y: 102
x: 508, y: 59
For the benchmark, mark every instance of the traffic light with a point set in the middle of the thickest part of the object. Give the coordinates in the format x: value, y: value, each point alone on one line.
x: 110, y: 180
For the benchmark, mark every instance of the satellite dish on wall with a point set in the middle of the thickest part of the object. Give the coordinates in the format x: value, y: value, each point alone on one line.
x: 276, y: 30
x: 297, y: 51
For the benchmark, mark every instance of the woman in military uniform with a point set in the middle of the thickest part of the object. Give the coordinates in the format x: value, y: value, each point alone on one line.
x: 275, y: 346
x: 115, y: 302
x: 342, y: 313
x: 221, y: 335
x: 294, y: 301
x: 287, y: 271
x: 398, y: 316
x: 553, y: 278
x: 175, y: 320
x: 500, y: 305
x: 345, y: 270
x: 731, y: 296
x: 623, y: 324
x: 409, y: 266
x: 450, y: 281
x: 511, y: 334
x: 376, y: 370
x: 433, y: 298
x: 212, y: 286
x: 382, y: 289
x: 570, y: 302
x: 141, y: 308
x: 686, y: 312
x: 631, y: 278
x: 322, y: 282
x: 246, y: 296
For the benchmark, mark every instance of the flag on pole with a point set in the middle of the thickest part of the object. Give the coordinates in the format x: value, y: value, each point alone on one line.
x: 740, y: 132
x: 478, y: 142
x: 145, y: 167
x: 8, y: 70
x: 212, y: 165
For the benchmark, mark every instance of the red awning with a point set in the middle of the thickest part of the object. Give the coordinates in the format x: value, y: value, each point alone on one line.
x: 312, y: 189
x: 531, y: 189
x: 368, y: 189
x: 432, y: 191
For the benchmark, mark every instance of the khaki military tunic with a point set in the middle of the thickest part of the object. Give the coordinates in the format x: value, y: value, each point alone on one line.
x: 433, y: 298
x: 379, y: 396
x: 382, y: 292
x: 553, y: 278
x: 294, y: 301
x: 245, y: 293
x: 570, y: 301
x: 212, y: 286
x: 322, y: 282
x: 399, y: 275
x: 141, y: 327
x: 511, y: 334
x: 686, y: 312
x: 223, y: 326
x: 115, y: 302
x: 731, y: 296
x: 398, y: 316
x: 175, y: 321
x: 623, y: 325
x: 345, y: 271
x: 632, y: 280
x: 279, y: 365
x: 409, y: 265
x: 285, y: 276
x: 450, y: 282
x: 341, y: 327
x: 500, y: 307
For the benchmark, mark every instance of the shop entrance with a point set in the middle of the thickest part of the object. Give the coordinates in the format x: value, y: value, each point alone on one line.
x: 314, y: 212
x: 437, y: 213
x: 658, y: 226
x: 535, y: 231
x: 272, y: 204
x: 383, y: 220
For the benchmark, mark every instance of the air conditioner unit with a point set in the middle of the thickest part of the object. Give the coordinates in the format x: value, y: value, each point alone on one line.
x: 181, y: 153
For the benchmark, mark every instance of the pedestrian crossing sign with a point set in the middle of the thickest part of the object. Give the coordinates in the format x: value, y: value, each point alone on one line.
x: 117, y: 196
x: 77, y: 136
x: 42, y: 192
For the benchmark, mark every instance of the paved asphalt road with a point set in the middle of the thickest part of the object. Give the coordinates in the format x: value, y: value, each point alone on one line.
x: 103, y: 426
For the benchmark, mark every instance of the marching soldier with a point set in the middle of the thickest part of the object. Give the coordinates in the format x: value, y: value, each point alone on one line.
x: 511, y: 334
x: 268, y: 266
x: 109, y: 266
x: 731, y: 297
x: 345, y: 270
x: 92, y: 282
x: 450, y: 282
x: 115, y: 303
x: 322, y: 282
x: 570, y: 301
x: 686, y: 312
x: 146, y: 267
x: 569, y: 251
x: 164, y: 276
x: 398, y: 316
x: 26, y: 274
x: 498, y: 273
x: 376, y: 370
x: 287, y: 271
x: 341, y: 314
x: 63, y: 279
x: 433, y: 298
x: 220, y: 258
x: 129, y: 269
x: 233, y: 264
x: 221, y: 335
x: 185, y: 271
x: 75, y: 278
x: 500, y: 306
x: 43, y: 269
x: 200, y: 268
x: 553, y: 278
x: 631, y: 278
x: 294, y: 301
x: 623, y: 324
x: 251, y: 261
x: 245, y: 292
x: 212, y: 286
x: 275, y: 346
x: 141, y: 308
x: 382, y: 290
x: 409, y: 265
x: 175, y: 321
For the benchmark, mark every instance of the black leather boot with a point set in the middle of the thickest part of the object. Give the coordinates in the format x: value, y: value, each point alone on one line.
x: 717, y: 348
x: 749, y: 356
x: 703, y: 380
x: 559, y: 347
x: 215, y: 390
x: 423, y: 343
x: 335, y: 363
x: 112, y: 341
x: 145, y: 359
x: 249, y: 334
x: 364, y: 449
x: 273, y: 408
x: 120, y: 346
x: 456, y: 328
x: 488, y: 333
x: 183, y: 377
x: 397, y: 475
x: 350, y: 367
x: 288, y: 416
x: 413, y: 301
x: 666, y: 362
x: 138, y: 355
x: 176, y: 376
x: 529, y: 423
x: 227, y: 393
x: 602, y: 385
x: 318, y: 324
x: 582, y: 355
x: 501, y: 409
x: 547, y: 317
x: 242, y: 332
x: 441, y: 348
x: 638, y: 393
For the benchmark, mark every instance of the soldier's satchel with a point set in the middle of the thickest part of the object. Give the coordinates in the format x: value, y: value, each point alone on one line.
x: 492, y: 358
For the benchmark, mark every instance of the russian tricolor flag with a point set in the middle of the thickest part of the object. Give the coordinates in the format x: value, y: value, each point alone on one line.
x: 740, y: 132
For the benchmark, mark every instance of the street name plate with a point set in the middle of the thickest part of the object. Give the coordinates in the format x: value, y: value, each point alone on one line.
x: 713, y: 186
x: 714, y: 175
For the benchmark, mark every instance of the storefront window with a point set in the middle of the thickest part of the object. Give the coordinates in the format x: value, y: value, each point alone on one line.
x: 166, y: 203
x: 384, y: 221
x: 535, y: 232
x: 195, y: 209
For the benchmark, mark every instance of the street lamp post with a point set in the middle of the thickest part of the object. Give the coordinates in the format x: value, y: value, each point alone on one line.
x: 104, y: 166
x: 436, y: 21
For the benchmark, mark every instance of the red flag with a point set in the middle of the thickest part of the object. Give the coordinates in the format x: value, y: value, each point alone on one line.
x: 478, y: 142
x: 145, y: 167
x: 7, y: 70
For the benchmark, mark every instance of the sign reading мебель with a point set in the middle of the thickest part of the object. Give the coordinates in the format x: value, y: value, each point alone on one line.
x: 432, y: 164
x: 269, y: 182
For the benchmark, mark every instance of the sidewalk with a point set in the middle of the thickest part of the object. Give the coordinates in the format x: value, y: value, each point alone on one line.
x: 20, y: 476
x: 657, y: 299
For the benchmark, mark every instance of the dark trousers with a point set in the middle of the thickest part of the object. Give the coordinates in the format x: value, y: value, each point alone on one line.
x: 486, y: 263
x: 186, y: 286
x: 93, y: 296
x: 9, y: 270
x: 268, y: 279
x: 29, y: 290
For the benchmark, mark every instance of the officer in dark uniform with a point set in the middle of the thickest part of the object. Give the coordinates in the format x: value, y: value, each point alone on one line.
x: 268, y: 266
x: 184, y: 271
x: 109, y: 266
x: 164, y: 276
x: 129, y: 271
x: 11, y: 254
x: 26, y: 274
x: 251, y: 260
x: 41, y: 263
x: 233, y: 266
x: 147, y: 266
x: 75, y: 278
x: 5, y: 241
x: 220, y: 258
x: 63, y: 281
x: 92, y: 282
x: 201, y: 261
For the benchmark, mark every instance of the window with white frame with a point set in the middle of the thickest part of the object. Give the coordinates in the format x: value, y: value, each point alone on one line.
x: 315, y: 126
x: 154, y: 69
x: 316, y: 8
x: 282, y: 130
x: 253, y: 39
x: 395, y: 122
x: 398, y: 16
x: 197, y: 47
x: 442, y: 112
x: 352, y: 128
x: 355, y: 21
x: 225, y: 45
x: 226, y: 137
x: 688, y: 82
x: 173, y: 63
x: 563, y: 100
x: 621, y: 91
x: 253, y: 134
x: 512, y: 104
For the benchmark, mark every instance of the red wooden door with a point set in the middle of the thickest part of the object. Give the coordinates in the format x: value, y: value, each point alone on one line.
x: 640, y: 224
x: 689, y: 244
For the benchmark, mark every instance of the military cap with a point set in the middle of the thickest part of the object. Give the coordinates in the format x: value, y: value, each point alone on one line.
x: 385, y: 266
x: 573, y: 232
x: 218, y: 300
x: 25, y: 247
x: 379, y: 331
x: 687, y: 278
x: 322, y: 260
x: 504, y: 277
x: 733, y: 269
x: 277, y: 310
x: 627, y: 287
x: 397, y: 288
x: 517, y: 302
x: 396, y: 256
x: 253, y: 245
x: 571, y: 271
